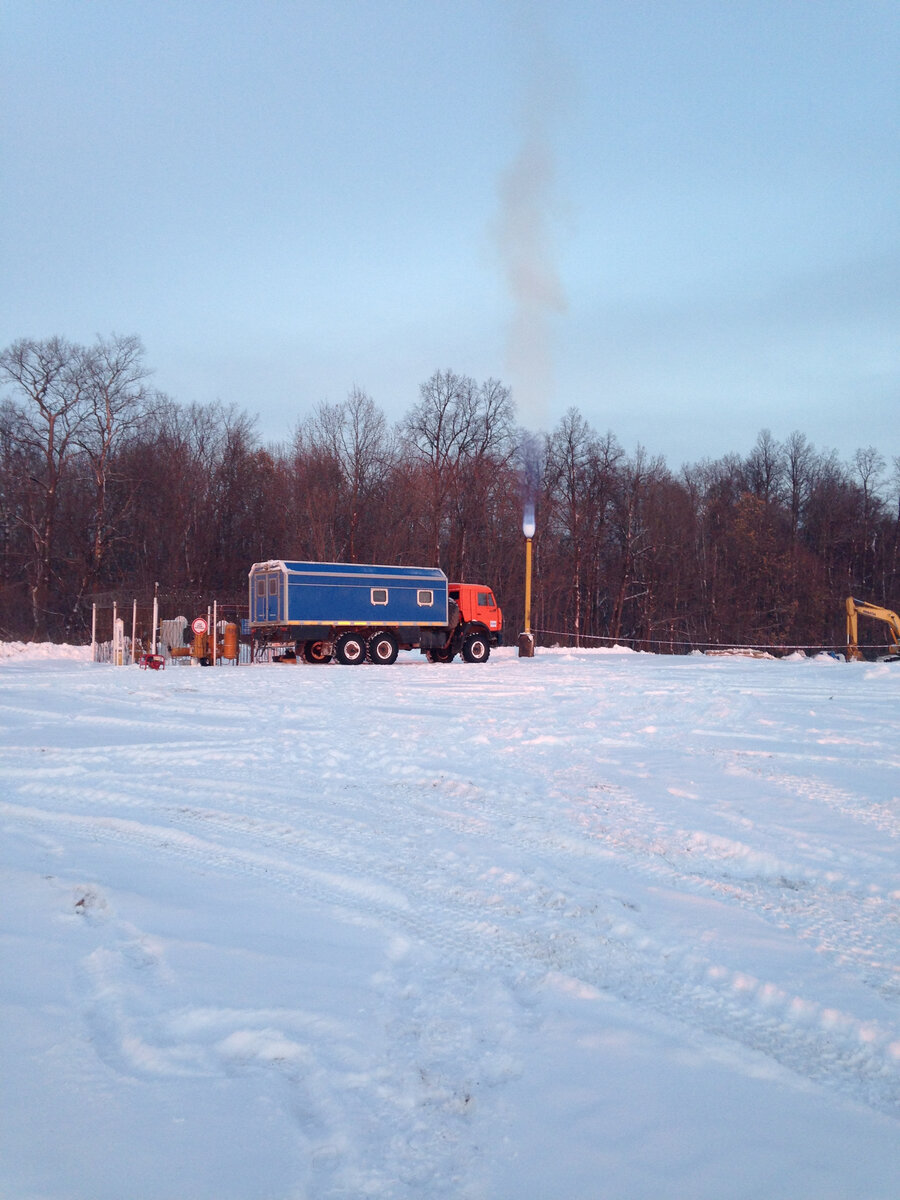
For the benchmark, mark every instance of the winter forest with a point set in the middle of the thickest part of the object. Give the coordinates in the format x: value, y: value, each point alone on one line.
x: 108, y: 488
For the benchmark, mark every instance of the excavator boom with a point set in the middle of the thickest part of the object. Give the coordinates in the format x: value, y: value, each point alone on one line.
x: 862, y: 607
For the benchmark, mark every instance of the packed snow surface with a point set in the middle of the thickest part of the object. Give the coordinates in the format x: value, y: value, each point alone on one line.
x: 590, y: 925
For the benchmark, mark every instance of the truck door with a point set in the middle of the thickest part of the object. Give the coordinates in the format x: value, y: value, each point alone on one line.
x: 488, y: 610
x: 273, y: 598
x: 260, y: 584
x: 268, y: 593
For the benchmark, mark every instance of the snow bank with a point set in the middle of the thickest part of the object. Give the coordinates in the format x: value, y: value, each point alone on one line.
x: 43, y: 650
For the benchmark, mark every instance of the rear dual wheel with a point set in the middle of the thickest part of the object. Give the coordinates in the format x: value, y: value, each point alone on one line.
x: 350, y: 649
x: 383, y: 648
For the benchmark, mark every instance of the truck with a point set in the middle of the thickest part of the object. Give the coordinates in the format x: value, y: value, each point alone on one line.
x: 356, y: 612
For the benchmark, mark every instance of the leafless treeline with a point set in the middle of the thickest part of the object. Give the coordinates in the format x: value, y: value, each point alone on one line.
x: 108, y: 487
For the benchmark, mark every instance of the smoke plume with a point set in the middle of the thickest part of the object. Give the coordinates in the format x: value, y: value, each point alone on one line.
x: 525, y: 243
x: 531, y: 470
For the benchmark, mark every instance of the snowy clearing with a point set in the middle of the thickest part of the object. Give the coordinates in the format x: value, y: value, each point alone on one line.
x: 591, y: 925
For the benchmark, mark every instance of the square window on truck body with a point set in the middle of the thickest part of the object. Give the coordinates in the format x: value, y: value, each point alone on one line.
x: 425, y: 598
x: 379, y: 596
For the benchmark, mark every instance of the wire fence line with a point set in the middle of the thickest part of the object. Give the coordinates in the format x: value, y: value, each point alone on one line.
x: 123, y: 634
x: 675, y: 646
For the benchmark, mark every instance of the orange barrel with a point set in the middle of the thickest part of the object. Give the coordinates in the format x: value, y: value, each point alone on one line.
x: 198, y: 650
x: 230, y: 642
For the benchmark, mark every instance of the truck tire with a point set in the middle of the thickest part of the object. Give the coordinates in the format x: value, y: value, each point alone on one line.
x: 440, y: 656
x: 383, y: 648
x: 476, y: 648
x: 350, y: 649
x: 316, y: 652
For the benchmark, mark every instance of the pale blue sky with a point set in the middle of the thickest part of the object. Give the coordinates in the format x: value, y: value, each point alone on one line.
x: 680, y: 217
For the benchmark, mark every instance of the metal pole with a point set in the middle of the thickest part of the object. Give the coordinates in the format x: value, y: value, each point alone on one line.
x: 155, y: 617
x: 214, y: 629
x: 528, y: 585
x: 526, y: 637
x: 133, y: 630
x: 94, y: 632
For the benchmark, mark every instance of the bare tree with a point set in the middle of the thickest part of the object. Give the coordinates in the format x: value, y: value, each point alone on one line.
x: 115, y: 402
x: 245, y: 500
x: 580, y: 483
x: 477, y: 483
x: 314, y: 497
x: 868, y: 467
x: 637, y: 477
x: 799, y: 468
x: 765, y: 468
x: 455, y: 423
x: 568, y: 461
x: 49, y: 387
x: 13, y: 540
x: 354, y: 434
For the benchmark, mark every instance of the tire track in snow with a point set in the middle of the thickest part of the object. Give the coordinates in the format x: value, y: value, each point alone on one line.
x: 841, y: 917
x: 331, y: 1079
x: 883, y: 816
x: 654, y: 850
x: 478, y: 919
x: 440, y: 1081
x: 757, y: 1013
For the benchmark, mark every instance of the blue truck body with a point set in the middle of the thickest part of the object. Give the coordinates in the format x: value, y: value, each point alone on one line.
x: 294, y: 594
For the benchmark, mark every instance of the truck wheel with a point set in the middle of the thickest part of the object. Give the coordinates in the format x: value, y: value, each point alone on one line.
x: 476, y: 648
x: 317, y: 652
x: 440, y: 656
x: 383, y: 648
x: 350, y: 649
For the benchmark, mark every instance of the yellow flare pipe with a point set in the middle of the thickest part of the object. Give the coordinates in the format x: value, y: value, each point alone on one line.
x: 528, y: 585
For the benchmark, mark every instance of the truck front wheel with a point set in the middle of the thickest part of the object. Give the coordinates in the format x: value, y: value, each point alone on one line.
x: 476, y: 648
x: 383, y: 648
x: 350, y: 649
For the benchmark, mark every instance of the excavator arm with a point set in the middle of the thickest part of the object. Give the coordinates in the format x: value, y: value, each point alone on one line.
x: 862, y: 607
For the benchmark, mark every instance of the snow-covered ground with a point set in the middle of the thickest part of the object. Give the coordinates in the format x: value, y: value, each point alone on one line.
x: 592, y: 925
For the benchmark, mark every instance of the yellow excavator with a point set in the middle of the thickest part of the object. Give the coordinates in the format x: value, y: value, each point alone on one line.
x: 861, y: 607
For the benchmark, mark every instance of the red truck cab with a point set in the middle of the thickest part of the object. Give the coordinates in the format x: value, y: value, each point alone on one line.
x: 476, y: 603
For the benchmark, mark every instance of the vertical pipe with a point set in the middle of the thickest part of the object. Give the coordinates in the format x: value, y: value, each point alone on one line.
x: 528, y: 585
x: 94, y: 632
x: 155, y: 617
x: 133, y: 630
x: 115, y: 649
x: 215, y: 629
